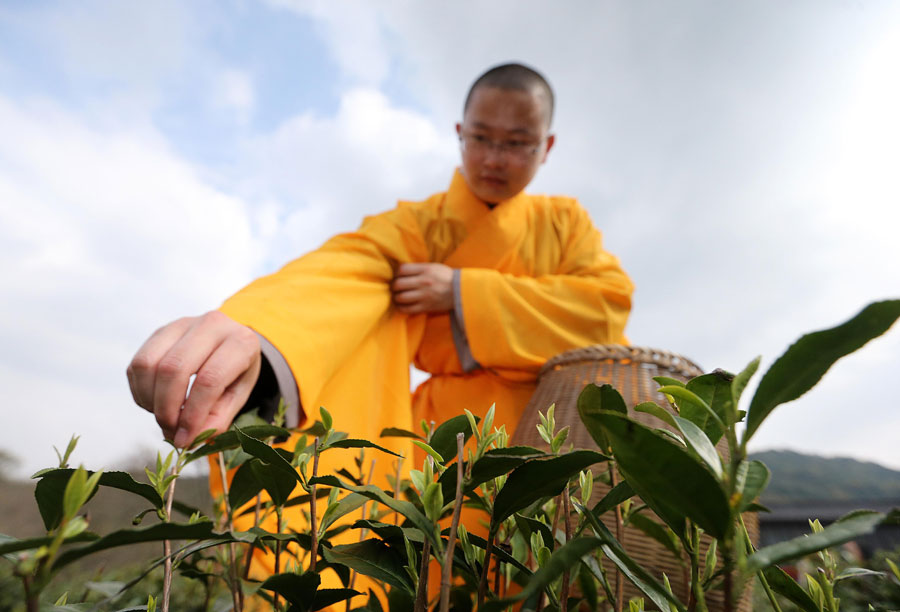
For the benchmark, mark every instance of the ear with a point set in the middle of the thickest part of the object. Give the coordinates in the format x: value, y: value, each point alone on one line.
x: 459, y: 129
x: 551, y: 139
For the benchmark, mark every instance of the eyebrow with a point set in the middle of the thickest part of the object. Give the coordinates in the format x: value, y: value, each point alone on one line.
x: 483, y: 126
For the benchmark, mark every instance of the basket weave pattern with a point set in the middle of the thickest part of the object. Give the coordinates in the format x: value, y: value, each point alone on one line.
x: 630, y: 370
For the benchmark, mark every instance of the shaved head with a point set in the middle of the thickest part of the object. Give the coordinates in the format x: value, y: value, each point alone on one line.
x: 516, y: 77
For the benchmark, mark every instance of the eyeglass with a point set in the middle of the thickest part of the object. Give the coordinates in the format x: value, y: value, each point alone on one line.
x: 479, y: 143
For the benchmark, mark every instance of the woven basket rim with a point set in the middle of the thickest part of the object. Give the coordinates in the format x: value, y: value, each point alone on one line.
x: 619, y: 352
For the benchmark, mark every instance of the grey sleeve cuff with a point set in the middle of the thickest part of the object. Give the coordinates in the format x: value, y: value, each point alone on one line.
x: 286, y: 384
x: 458, y: 329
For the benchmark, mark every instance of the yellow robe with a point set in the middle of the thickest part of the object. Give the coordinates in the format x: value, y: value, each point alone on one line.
x: 534, y: 281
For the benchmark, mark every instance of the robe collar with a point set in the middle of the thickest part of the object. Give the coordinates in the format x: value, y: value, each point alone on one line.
x: 493, y: 234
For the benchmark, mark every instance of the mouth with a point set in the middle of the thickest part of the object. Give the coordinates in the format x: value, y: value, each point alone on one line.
x: 493, y: 181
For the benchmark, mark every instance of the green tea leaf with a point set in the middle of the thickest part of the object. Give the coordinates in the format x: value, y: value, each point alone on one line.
x: 9, y: 544
x: 591, y: 401
x: 754, y: 482
x: 632, y: 570
x: 698, y: 442
x: 348, y: 504
x: 613, y: 498
x: 840, y: 531
x: 665, y: 475
x: 443, y: 440
x: 229, y: 440
x: 354, y: 443
x: 372, y: 558
x: 656, y: 532
x: 781, y: 582
x: 75, y: 493
x: 126, y: 537
x: 564, y: 558
x: 299, y: 589
x: 327, y: 421
x: 691, y: 406
x: 857, y: 572
x: 716, y: 390
x: 658, y: 411
x: 279, y: 484
x: 539, y: 478
x: 743, y: 377
x: 807, y: 360
x: 329, y: 597
x: 244, y: 485
x: 495, y: 462
x: 396, y: 432
x: 265, y: 453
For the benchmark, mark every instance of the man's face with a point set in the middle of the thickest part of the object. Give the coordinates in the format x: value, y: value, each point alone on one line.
x: 504, y: 140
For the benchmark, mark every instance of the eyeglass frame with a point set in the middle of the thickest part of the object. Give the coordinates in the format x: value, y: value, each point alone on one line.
x: 483, y: 143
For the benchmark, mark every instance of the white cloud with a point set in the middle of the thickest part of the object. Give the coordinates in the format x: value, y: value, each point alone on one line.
x: 354, y: 32
x: 105, y: 236
x: 233, y: 91
x: 329, y: 172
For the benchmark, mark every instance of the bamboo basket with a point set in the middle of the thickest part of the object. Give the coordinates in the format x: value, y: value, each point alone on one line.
x: 630, y: 370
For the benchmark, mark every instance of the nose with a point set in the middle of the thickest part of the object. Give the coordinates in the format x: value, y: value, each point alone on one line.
x: 494, y: 156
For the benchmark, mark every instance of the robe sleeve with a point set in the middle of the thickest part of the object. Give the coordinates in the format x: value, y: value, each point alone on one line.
x: 317, y: 309
x: 518, y: 322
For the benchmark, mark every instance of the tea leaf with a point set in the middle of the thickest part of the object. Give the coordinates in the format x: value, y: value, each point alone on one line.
x: 644, y: 581
x: 354, y: 443
x: 244, y: 485
x: 842, y: 530
x: 856, y: 572
x: 329, y: 597
x: 278, y: 483
x: 591, y: 401
x: 716, y: 390
x: 266, y: 454
x: 562, y: 559
x: 613, y: 498
x: 299, y: 589
x: 656, y: 532
x: 754, y: 482
x: 782, y: 583
x: 539, y: 478
x: 807, y: 360
x: 373, y: 558
x: 125, y: 537
x: 700, y: 444
x: 345, y: 506
x: 443, y: 440
x: 9, y: 544
x: 658, y: 411
x: 396, y: 432
x: 229, y: 440
x: 493, y: 463
x: 666, y: 476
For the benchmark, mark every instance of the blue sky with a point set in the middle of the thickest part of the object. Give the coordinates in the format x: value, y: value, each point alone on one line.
x: 740, y: 160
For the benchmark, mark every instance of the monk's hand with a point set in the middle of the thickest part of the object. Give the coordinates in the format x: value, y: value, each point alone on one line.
x: 423, y: 287
x: 223, y: 354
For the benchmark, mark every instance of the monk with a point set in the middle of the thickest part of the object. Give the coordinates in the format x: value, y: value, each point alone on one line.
x: 478, y: 286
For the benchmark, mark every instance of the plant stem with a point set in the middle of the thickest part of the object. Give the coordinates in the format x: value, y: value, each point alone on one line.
x: 397, y: 486
x: 167, y: 544
x: 564, y: 589
x: 314, y: 548
x: 31, y: 599
x: 482, y: 584
x: 256, y: 510
x: 422, y: 591
x: 229, y: 523
x: 454, y: 525
x: 620, y: 536
x: 362, y: 532
x: 697, y: 596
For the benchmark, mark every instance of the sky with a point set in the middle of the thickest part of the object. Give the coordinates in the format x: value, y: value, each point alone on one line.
x: 740, y: 159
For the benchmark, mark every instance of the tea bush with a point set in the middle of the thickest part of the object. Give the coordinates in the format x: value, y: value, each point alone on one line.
x: 545, y: 544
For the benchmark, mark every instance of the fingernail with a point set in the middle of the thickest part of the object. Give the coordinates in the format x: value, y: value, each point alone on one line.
x: 181, y: 437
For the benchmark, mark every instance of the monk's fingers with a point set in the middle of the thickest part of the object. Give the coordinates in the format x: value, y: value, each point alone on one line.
x: 183, y: 360
x: 223, y: 412
x: 406, y: 298
x: 141, y: 371
x: 411, y: 269
x: 406, y: 283
x: 227, y: 375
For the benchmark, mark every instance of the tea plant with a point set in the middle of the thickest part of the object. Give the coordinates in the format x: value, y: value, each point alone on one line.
x: 543, y: 545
